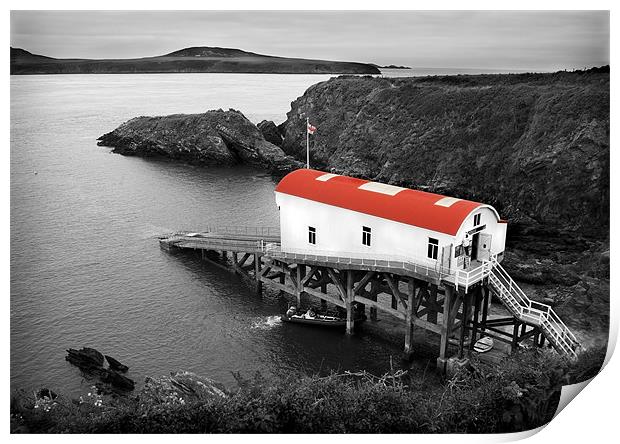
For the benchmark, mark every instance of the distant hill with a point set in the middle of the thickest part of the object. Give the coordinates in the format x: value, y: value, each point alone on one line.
x: 189, y: 60
x: 395, y: 67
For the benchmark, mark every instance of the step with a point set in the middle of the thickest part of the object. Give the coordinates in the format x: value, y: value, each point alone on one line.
x: 513, y: 298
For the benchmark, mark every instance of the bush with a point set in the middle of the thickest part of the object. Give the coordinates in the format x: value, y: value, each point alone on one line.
x: 520, y: 393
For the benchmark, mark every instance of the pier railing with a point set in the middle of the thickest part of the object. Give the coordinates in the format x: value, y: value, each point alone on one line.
x: 244, y: 230
x: 377, y: 261
x: 466, y: 278
x: 238, y: 230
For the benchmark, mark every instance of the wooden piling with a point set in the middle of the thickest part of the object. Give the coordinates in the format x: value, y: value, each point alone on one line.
x: 445, y: 328
x: 257, y: 268
x: 409, y: 320
x: 431, y: 303
x: 349, y: 303
x: 374, y: 290
x: 464, y: 319
x: 515, y: 337
x: 485, y: 310
x: 299, y: 275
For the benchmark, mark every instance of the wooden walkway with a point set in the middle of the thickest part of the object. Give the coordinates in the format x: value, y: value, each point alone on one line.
x: 453, y: 307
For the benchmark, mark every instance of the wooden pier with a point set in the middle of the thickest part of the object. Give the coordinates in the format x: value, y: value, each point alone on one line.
x: 420, y: 297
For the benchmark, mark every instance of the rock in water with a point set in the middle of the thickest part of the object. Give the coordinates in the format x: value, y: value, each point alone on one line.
x: 86, y: 358
x: 90, y: 361
x: 117, y: 380
x: 213, y: 138
x: 270, y: 132
x: 116, y: 365
x: 182, y: 385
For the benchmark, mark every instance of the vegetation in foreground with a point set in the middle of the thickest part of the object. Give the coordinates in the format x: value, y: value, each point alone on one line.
x: 519, y: 394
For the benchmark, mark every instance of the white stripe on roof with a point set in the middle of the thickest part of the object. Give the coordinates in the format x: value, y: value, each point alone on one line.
x: 382, y: 188
x: 447, y: 201
x: 325, y: 177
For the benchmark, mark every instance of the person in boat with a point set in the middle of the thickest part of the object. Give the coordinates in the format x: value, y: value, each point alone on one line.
x: 310, y: 314
x: 291, y: 311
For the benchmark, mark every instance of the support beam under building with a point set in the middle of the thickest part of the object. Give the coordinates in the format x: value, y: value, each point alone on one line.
x: 350, y: 295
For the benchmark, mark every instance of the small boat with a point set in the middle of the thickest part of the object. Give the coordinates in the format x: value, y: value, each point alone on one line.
x: 483, y: 345
x: 311, y: 318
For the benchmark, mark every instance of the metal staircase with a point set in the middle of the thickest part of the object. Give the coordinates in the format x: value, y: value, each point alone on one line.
x: 531, y: 312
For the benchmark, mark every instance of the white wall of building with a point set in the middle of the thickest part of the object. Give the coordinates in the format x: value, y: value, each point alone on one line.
x: 339, y: 231
x: 489, y: 219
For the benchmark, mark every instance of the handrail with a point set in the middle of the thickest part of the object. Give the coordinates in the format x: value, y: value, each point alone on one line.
x: 235, y: 229
x: 240, y: 229
x: 549, y: 310
x: 351, y: 258
x: 514, y: 297
x: 465, y: 278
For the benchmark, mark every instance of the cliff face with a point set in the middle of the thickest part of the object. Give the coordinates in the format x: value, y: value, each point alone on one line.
x: 213, y: 138
x: 536, y: 146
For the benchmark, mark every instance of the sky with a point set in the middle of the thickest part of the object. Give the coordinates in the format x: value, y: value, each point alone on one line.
x: 519, y: 40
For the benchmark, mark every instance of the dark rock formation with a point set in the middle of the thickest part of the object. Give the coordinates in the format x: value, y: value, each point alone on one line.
x: 180, y: 387
x: 86, y: 358
x: 270, y: 132
x: 90, y: 362
x: 534, y: 145
x: 116, y: 380
x: 213, y: 138
x: 116, y: 365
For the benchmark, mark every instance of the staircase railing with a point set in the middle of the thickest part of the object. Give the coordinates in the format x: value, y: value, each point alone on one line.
x: 530, y: 311
x: 466, y: 278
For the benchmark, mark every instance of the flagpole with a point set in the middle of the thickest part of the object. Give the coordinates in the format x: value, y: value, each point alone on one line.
x: 307, y: 143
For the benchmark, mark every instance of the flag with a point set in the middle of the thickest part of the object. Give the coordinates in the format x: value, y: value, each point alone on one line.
x: 311, y: 129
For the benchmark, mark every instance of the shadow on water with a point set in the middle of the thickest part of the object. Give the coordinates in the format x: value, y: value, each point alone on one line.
x: 296, y: 348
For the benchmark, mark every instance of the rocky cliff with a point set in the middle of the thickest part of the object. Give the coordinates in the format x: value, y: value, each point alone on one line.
x: 213, y: 138
x: 534, y: 145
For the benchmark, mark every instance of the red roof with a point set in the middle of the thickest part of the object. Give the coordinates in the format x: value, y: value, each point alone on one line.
x: 412, y: 207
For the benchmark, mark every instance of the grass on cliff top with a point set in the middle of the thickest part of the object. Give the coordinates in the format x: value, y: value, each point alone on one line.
x: 520, y: 394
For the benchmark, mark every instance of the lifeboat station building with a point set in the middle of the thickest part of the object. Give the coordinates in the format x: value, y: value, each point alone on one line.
x: 431, y: 261
x: 329, y: 214
x: 438, y: 258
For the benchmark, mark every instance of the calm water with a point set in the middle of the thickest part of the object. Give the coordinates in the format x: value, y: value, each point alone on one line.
x: 86, y: 268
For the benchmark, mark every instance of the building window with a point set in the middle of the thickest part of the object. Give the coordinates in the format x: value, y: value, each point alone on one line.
x: 433, y: 248
x: 312, y: 235
x: 366, y: 236
x: 476, y: 219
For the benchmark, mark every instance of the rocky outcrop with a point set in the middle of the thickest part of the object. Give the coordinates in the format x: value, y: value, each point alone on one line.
x: 213, y: 138
x: 86, y: 358
x: 270, y: 132
x: 90, y: 361
x: 536, y: 146
x: 116, y: 365
x: 180, y: 388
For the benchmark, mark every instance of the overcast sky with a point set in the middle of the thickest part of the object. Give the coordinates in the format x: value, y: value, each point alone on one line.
x: 528, y: 40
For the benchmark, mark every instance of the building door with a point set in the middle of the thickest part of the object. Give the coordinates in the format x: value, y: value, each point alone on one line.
x: 474, y: 246
x: 446, y: 258
x: 483, y: 252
